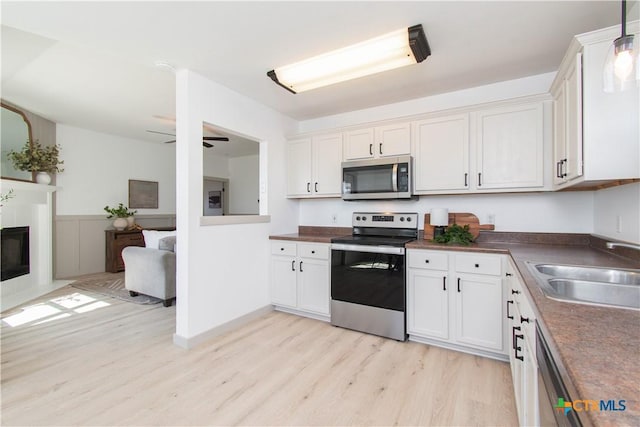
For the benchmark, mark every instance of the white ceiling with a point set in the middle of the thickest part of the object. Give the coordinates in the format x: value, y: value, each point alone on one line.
x: 91, y: 64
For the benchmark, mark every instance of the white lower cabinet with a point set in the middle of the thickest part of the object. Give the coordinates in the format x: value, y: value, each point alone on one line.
x: 522, y: 347
x: 300, y: 278
x: 450, y: 306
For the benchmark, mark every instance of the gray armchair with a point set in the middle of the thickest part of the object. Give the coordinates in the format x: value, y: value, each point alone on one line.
x: 151, y: 271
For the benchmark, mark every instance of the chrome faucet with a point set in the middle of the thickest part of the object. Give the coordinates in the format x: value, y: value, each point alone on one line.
x: 611, y: 245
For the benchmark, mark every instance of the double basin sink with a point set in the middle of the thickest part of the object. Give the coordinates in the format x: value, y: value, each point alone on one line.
x: 609, y: 287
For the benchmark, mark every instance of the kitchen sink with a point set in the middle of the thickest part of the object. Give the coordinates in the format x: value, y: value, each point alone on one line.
x: 609, y: 287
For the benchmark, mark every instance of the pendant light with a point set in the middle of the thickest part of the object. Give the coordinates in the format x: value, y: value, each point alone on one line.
x: 622, y: 70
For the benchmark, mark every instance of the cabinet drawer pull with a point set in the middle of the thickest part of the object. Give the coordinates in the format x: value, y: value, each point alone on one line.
x: 316, y: 187
x: 479, y: 179
x: 444, y: 283
x: 301, y: 267
x: 458, y: 284
x: 466, y: 175
x: 562, y: 168
x: 371, y: 149
x: 380, y: 149
x: 509, y: 316
x: 308, y: 187
x: 558, y: 170
x: 513, y: 336
x: 293, y: 265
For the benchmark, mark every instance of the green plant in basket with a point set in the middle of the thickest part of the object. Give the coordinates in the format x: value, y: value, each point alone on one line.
x: 120, y: 212
x: 455, y: 235
x: 37, y: 158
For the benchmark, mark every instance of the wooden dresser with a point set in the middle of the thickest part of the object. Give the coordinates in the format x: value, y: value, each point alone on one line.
x: 116, y: 242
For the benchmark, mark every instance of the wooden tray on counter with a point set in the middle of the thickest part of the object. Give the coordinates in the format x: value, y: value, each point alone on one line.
x: 460, y: 218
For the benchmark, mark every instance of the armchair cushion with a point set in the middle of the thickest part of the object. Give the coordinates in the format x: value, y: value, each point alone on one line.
x: 152, y: 237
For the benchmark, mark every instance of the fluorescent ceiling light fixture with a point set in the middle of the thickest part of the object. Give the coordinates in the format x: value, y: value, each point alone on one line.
x: 393, y: 50
x: 622, y: 67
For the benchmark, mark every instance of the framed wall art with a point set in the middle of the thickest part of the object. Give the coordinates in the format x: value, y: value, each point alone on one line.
x: 143, y: 194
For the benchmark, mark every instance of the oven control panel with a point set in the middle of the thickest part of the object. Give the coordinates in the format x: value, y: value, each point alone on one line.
x: 385, y: 219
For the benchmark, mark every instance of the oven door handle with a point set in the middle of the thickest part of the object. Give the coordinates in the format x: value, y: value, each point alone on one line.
x: 392, y: 250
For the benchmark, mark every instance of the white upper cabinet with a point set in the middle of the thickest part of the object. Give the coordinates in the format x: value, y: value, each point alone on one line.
x: 567, y: 124
x: 382, y: 141
x: 441, y: 153
x: 313, y: 166
x: 509, y: 147
x: 358, y: 144
x: 299, y: 167
x: 327, y: 158
x: 596, y: 134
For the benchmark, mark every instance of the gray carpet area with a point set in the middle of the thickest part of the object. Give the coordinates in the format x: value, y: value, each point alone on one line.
x: 112, y: 285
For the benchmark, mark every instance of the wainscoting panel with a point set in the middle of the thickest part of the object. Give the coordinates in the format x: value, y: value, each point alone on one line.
x: 79, y: 241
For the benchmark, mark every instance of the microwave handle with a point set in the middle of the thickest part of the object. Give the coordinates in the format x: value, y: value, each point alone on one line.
x: 394, y: 178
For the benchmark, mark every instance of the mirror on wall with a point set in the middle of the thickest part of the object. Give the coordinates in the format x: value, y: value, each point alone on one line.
x: 231, y: 169
x: 14, y: 132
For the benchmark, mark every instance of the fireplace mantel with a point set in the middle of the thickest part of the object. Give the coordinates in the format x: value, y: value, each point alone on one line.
x: 9, y: 184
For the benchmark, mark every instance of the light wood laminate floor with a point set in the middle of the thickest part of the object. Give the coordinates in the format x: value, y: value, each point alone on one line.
x: 116, y: 365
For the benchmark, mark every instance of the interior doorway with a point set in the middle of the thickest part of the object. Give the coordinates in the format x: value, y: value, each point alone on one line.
x: 215, y: 196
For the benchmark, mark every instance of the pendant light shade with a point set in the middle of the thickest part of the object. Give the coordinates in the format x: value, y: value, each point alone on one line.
x: 622, y: 67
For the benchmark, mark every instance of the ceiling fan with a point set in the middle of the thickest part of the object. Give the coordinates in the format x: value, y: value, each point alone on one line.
x: 204, y: 138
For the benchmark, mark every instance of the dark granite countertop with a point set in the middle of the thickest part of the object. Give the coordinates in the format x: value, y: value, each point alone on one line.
x: 597, y: 349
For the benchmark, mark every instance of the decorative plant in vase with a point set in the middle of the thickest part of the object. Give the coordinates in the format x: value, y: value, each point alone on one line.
x: 38, y: 158
x: 122, y: 215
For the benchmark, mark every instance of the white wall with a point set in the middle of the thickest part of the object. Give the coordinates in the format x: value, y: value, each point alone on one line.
x: 535, y: 212
x: 243, y: 185
x: 223, y: 270
x: 98, y: 167
x: 533, y: 85
x: 215, y: 166
x: 622, y: 202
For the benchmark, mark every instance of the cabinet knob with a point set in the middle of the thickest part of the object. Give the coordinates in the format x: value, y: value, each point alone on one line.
x: 477, y: 265
x: 509, y: 274
x: 313, y: 252
x: 426, y: 261
x: 514, y: 292
x: 282, y: 249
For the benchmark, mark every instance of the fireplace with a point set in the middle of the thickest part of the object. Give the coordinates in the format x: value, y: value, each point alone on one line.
x: 15, y: 252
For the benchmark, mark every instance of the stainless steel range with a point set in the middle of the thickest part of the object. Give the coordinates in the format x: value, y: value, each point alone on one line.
x: 368, y: 288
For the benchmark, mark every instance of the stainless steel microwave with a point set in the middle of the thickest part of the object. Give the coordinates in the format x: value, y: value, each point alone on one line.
x: 388, y: 178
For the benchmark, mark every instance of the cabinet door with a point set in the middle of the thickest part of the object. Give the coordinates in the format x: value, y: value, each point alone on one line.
x: 327, y: 160
x: 479, y: 311
x: 559, y: 134
x: 358, y: 144
x: 299, y: 167
x: 283, y: 281
x: 573, y: 121
x: 509, y: 147
x: 392, y: 140
x: 313, y: 285
x: 427, y: 303
x: 441, y: 150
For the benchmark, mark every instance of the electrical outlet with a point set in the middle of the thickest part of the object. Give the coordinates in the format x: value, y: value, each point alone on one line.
x: 619, y: 224
x: 334, y: 218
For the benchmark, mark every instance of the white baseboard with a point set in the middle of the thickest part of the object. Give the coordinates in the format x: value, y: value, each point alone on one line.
x: 475, y: 351
x: 194, y: 341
